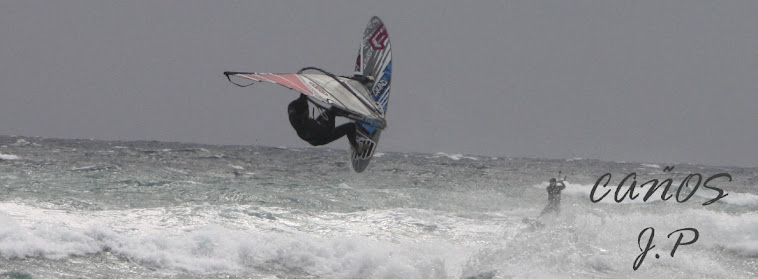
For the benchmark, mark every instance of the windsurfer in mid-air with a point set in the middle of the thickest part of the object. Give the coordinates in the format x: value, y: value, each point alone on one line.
x: 319, y: 131
x: 361, y: 99
x: 553, y: 197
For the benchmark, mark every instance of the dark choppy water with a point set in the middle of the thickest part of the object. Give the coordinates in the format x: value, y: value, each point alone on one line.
x: 108, y: 209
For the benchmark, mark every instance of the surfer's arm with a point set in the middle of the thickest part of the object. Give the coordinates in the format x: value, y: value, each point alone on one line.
x: 335, y: 111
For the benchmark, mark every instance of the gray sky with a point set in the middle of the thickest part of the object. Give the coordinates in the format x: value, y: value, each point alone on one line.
x: 649, y: 81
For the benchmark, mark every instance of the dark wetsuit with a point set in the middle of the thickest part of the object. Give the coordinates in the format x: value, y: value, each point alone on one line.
x: 553, y: 198
x: 318, y: 131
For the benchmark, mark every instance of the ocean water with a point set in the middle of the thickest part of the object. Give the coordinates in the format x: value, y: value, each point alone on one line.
x: 114, y: 209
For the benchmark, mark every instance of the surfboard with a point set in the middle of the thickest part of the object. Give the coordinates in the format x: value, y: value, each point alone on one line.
x: 374, y: 61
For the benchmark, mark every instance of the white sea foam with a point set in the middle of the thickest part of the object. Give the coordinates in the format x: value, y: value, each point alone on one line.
x: 344, y: 185
x: 23, y: 142
x: 8, y: 157
x: 395, y: 243
x: 455, y: 157
x: 194, y: 240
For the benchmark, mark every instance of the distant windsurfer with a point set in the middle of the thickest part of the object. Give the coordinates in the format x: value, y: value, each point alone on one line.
x: 319, y: 131
x: 553, y: 197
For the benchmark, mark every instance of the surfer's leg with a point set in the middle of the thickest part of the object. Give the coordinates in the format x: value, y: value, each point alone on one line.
x: 347, y: 129
x: 548, y: 208
x: 350, y: 127
x: 326, y: 135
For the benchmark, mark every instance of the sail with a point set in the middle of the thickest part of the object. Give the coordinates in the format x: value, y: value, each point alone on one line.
x: 375, y: 60
x: 325, y: 90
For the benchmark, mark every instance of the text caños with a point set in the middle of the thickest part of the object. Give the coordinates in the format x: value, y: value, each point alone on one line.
x: 694, y: 180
